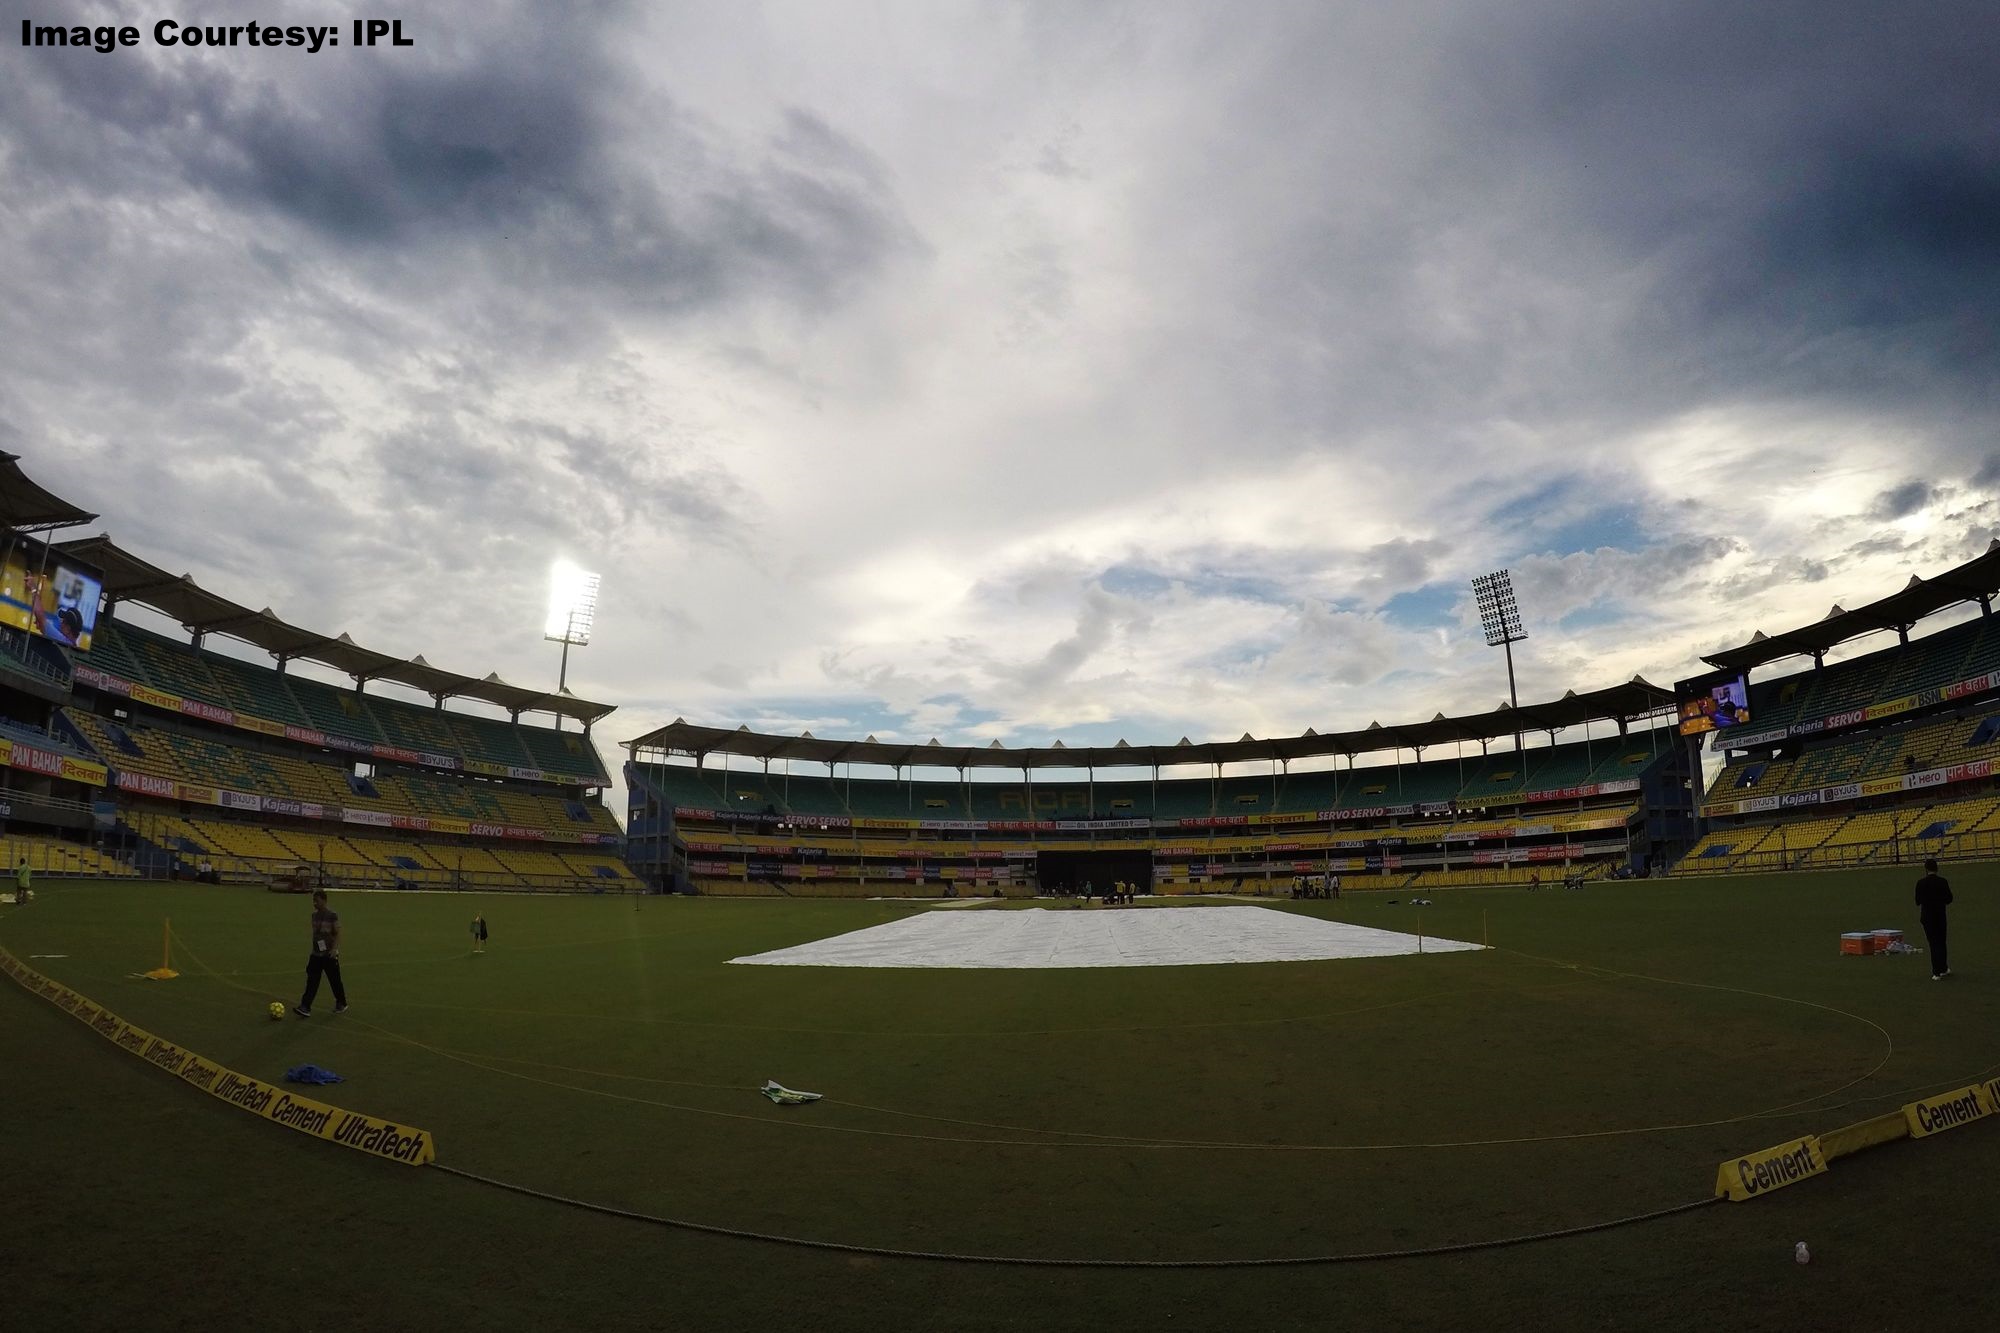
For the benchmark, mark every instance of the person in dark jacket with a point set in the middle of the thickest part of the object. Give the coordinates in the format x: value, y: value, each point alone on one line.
x: 1933, y: 896
x: 324, y: 960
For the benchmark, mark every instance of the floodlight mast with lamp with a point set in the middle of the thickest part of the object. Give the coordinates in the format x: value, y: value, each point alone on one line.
x: 572, y: 608
x: 1500, y: 617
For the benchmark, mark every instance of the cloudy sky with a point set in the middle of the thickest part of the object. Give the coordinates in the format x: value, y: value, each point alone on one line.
x: 1022, y: 371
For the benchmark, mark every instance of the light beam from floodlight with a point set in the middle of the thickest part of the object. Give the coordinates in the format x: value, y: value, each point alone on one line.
x: 572, y: 608
x: 1500, y: 617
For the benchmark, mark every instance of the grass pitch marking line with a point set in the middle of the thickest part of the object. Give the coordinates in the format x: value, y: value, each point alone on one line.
x: 1099, y: 1141
x: 377, y: 1033
x: 1903, y: 1094
x: 1888, y: 1041
x: 350, y: 1129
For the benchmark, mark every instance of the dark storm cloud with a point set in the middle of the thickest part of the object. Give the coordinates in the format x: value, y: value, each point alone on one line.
x: 1902, y: 501
x: 1816, y: 188
x: 1594, y: 217
x: 521, y: 152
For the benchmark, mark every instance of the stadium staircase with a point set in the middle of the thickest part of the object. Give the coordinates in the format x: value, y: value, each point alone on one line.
x: 149, y: 856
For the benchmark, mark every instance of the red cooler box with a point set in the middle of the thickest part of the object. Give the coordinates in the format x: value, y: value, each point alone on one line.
x: 1858, y: 942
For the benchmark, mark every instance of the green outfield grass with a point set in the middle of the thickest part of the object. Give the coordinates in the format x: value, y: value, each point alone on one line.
x: 1612, y: 1048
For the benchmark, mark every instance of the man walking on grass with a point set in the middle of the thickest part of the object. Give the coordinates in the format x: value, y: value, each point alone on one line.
x: 324, y: 961
x: 1933, y: 896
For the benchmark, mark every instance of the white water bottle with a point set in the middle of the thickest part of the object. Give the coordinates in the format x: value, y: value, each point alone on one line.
x: 1801, y: 1253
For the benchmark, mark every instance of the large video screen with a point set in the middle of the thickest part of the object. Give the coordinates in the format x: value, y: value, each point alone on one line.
x: 1711, y: 703
x: 46, y: 593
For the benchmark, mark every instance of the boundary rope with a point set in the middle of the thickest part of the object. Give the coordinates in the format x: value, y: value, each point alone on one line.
x: 1030, y: 1261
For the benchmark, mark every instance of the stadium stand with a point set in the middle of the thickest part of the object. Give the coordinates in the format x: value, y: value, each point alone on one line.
x: 151, y: 659
x: 1481, y: 819
x: 262, y: 774
x: 337, y: 712
x: 109, y: 651
x: 1885, y: 757
x: 55, y: 856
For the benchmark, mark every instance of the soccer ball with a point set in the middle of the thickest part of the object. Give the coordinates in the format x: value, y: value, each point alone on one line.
x: 277, y: 1008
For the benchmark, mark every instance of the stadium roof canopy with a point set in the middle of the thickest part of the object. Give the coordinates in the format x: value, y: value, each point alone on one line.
x: 1620, y: 703
x: 27, y: 505
x: 128, y: 578
x: 1974, y: 581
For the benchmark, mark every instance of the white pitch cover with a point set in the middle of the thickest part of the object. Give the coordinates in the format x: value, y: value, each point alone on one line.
x: 1099, y: 937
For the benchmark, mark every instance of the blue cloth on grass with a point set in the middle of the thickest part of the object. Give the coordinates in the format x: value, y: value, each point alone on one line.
x: 312, y: 1074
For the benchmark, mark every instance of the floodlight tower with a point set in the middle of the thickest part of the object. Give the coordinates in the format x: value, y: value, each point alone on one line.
x: 572, y: 607
x: 1500, y: 617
